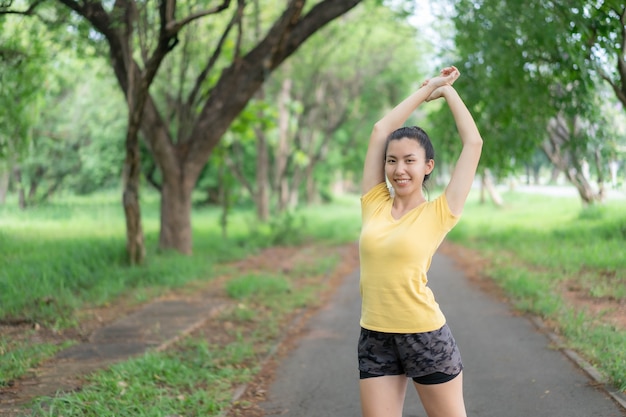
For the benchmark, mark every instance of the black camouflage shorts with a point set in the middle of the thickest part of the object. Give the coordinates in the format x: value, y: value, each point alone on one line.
x: 415, y: 354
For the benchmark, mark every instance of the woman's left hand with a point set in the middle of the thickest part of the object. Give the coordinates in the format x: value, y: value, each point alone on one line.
x: 438, y: 92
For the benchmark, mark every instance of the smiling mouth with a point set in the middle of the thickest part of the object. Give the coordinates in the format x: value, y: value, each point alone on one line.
x: 402, y: 181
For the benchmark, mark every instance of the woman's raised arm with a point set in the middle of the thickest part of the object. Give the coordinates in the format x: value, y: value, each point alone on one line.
x: 374, y: 167
x: 465, y: 169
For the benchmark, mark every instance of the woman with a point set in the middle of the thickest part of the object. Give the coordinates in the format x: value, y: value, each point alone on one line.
x: 403, y: 332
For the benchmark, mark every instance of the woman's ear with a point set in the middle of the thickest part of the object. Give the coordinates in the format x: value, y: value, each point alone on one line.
x: 430, y: 165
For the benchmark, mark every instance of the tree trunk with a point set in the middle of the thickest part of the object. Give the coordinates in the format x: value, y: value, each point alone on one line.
x: 281, y: 183
x: 554, y: 175
x: 262, y: 178
x: 262, y: 193
x: 488, y: 185
x: 136, y: 97
x: 536, y: 170
x: 311, y: 189
x: 566, y: 160
x: 35, y: 180
x: 176, y: 218
x: 283, y: 195
x: 4, y: 186
x: 135, y: 244
x: 600, y: 172
x: 223, y: 198
x: 21, y: 194
x: 577, y: 179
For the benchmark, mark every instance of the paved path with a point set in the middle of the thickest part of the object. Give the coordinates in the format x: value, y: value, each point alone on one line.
x: 155, y: 326
x: 511, y: 370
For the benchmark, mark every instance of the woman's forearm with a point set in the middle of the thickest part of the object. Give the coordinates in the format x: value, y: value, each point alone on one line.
x: 464, y: 121
x: 399, y: 114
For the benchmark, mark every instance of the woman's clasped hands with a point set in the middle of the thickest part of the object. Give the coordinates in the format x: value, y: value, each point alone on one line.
x: 446, y: 77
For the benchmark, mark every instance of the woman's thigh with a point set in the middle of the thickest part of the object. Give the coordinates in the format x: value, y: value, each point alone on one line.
x: 443, y: 400
x: 383, y: 396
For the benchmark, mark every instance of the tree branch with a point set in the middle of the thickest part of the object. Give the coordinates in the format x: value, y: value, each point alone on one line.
x: 235, y: 168
x: 174, y: 27
x: 216, y: 53
x: 621, y: 63
x: 282, y: 39
x: 6, y: 4
x: 619, y: 92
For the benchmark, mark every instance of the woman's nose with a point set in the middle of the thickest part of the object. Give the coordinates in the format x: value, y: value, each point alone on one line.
x: 400, y: 166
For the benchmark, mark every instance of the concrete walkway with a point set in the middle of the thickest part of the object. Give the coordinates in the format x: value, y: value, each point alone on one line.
x: 511, y: 368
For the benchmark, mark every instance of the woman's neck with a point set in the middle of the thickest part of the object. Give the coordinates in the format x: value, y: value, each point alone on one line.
x: 404, y: 204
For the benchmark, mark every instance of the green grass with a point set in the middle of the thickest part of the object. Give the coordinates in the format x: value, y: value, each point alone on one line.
x: 194, y: 378
x: 17, y: 358
x: 537, y: 245
x: 257, y: 284
x: 62, y: 257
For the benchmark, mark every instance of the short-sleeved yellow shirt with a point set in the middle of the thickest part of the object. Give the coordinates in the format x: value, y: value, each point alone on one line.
x: 395, y: 256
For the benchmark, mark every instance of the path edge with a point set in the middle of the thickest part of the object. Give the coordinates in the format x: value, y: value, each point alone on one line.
x: 612, y: 391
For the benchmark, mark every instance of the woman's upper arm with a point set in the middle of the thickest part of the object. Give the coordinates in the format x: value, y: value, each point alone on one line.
x: 374, y: 166
x: 463, y: 177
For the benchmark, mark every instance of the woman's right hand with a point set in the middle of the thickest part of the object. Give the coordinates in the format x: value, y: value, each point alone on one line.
x: 439, y: 92
x: 447, y: 76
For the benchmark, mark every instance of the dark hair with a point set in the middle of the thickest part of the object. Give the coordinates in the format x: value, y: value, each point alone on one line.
x: 417, y: 134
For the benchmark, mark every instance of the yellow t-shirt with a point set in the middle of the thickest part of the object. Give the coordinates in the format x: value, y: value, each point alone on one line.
x: 395, y: 256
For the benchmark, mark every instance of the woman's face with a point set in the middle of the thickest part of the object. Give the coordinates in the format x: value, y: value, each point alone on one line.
x: 406, y: 166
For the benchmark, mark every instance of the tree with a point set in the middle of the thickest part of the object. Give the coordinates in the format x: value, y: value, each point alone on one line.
x: 602, y: 26
x: 77, y: 141
x: 311, y: 103
x: 23, y: 65
x: 349, y: 70
x: 532, y: 66
x: 139, y: 38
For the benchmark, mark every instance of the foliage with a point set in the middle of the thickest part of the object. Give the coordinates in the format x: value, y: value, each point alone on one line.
x: 339, y: 83
x: 24, y: 61
x: 282, y: 229
x: 524, y: 63
x: 333, y: 84
x: 56, y: 109
x: 81, y: 131
x: 202, y: 88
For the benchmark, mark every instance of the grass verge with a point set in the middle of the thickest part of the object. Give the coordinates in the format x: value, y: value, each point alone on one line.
x: 61, y: 260
x: 198, y: 375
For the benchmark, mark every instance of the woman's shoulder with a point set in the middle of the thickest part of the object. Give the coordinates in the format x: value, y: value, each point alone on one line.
x: 379, y: 191
x: 440, y: 208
